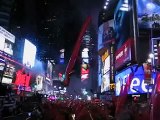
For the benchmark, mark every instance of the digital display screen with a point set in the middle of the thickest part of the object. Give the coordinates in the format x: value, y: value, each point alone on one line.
x: 2, y: 65
x: 108, y: 31
x: 123, y: 22
x: 105, y: 85
x: 39, y: 82
x: 22, y: 78
x: 49, y: 70
x: 6, y: 80
x: 9, y: 71
x: 106, y: 65
x: 137, y: 85
x: 29, y: 54
x: 148, y: 13
x: 84, y: 71
x: 7, y: 40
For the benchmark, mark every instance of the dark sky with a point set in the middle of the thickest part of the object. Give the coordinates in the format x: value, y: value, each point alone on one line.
x: 81, y: 8
x: 70, y: 16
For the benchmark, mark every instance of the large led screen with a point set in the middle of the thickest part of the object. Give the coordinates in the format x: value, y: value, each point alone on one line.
x: 123, y: 22
x: 84, y: 71
x: 29, y: 54
x: 123, y: 29
x: 39, y: 82
x: 148, y: 13
x: 2, y: 65
x: 106, y: 65
x: 22, y: 78
x: 9, y: 73
x: 105, y: 85
x: 120, y: 29
x: 137, y: 86
x: 9, y: 70
x: 108, y: 31
x: 49, y: 70
x: 7, y: 40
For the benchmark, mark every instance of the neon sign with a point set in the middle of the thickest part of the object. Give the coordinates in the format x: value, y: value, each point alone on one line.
x: 138, y: 84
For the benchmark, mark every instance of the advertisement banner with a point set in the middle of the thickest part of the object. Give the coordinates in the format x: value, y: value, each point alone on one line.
x: 105, y: 85
x: 29, y: 54
x: 84, y: 71
x: 105, y: 55
x: 7, y: 40
x: 123, y: 55
x: 137, y: 86
x: 148, y: 12
x: 39, y: 82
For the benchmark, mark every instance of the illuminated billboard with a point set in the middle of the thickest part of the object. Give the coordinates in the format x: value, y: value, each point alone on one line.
x: 108, y: 31
x: 8, y: 73
x: 123, y: 28
x: 84, y: 71
x: 105, y: 85
x: 85, y: 64
x: 106, y: 65
x: 29, y: 54
x: 2, y: 65
x: 137, y: 86
x: 49, y: 74
x: 22, y: 78
x: 148, y: 12
x: 119, y: 29
x: 39, y: 82
x: 61, y: 58
x: 7, y: 40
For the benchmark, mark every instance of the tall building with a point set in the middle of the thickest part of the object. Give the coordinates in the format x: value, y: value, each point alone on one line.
x: 6, y: 7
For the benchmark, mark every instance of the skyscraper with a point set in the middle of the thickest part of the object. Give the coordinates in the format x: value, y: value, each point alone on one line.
x: 5, y: 13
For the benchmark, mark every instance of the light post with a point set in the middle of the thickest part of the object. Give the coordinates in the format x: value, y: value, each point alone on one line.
x: 148, y: 69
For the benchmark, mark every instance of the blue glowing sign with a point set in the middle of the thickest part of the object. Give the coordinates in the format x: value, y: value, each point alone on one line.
x: 137, y: 86
x: 148, y: 13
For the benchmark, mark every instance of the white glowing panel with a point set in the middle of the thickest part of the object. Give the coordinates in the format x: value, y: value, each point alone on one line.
x: 85, y: 54
x: 29, y: 54
x: 106, y: 65
x: 6, y: 80
x: 2, y: 40
x: 105, y: 85
x: 6, y: 41
x: 39, y: 82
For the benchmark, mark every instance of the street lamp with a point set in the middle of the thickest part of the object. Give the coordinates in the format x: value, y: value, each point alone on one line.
x: 151, y: 55
x: 149, y: 60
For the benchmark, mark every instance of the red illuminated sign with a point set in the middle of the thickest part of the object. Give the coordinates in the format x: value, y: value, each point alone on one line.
x: 123, y: 55
x: 84, y: 72
x: 147, y: 72
x: 22, y: 78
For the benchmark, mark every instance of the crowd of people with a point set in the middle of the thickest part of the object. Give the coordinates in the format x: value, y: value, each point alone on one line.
x: 40, y: 108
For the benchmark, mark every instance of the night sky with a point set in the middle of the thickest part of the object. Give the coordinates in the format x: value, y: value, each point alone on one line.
x: 68, y: 17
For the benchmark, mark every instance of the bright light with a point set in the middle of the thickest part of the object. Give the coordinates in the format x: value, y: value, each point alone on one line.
x: 29, y: 54
x: 150, y: 6
x: 125, y: 5
x: 105, y: 7
x: 107, y: 3
x: 151, y: 55
x: 85, y: 50
x: 149, y: 60
x: 124, y: 8
x: 126, y: 1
